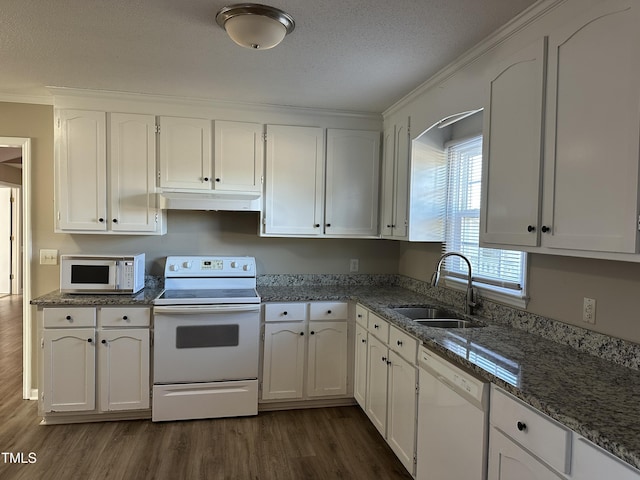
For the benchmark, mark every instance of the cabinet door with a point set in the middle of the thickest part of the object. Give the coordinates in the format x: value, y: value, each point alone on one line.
x: 376, y: 397
x: 512, y: 149
x: 590, y: 462
x: 592, y: 141
x: 327, y: 365
x: 508, y: 461
x: 69, y: 370
x: 386, y: 194
x: 401, y: 420
x: 238, y: 157
x: 132, y: 166
x: 185, y: 153
x: 123, y: 356
x: 283, y: 360
x: 353, y: 165
x: 294, y: 191
x: 360, y: 369
x: 395, y: 181
x: 81, y: 170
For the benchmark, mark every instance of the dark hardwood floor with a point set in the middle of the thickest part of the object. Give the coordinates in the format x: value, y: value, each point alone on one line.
x: 327, y: 443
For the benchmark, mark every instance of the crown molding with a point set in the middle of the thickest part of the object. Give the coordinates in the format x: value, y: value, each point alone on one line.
x: 518, y: 23
x: 34, y: 99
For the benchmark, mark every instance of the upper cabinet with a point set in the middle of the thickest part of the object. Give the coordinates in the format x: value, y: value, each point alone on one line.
x: 395, y: 178
x: 589, y: 204
x: 100, y: 192
x: 310, y: 193
x: 186, y: 162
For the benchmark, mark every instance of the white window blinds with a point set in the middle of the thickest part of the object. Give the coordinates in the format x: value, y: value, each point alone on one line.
x: 502, y: 268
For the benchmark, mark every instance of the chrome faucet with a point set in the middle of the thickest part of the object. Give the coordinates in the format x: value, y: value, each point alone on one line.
x: 472, y: 293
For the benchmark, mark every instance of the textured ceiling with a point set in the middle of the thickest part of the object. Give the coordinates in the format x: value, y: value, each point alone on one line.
x: 360, y: 55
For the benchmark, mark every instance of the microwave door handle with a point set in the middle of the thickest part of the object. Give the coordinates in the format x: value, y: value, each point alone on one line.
x: 200, y: 309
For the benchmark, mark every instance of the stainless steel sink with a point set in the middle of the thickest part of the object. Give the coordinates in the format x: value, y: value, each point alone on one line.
x: 431, y: 316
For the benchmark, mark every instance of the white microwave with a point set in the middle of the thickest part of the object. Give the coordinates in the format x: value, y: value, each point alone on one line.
x: 102, y: 273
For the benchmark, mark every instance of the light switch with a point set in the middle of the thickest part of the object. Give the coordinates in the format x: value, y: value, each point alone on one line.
x: 48, y: 257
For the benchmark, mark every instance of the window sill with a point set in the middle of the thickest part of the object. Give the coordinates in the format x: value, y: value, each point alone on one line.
x: 495, y: 294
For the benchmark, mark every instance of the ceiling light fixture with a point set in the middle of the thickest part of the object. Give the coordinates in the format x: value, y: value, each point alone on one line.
x: 255, y: 26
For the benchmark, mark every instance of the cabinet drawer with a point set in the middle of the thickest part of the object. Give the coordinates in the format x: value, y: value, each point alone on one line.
x: 379, y: 327
x: 124, y: 317
x: 285, y: 312
x: 404, y: 344
x: 541, y: 435
x: 362, y: 315
x: 328, y: 311
x: 69, y: 317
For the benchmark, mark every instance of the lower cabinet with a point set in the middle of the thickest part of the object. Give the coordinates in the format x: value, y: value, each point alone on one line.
x: 95, y: 360
x: 305, y: 352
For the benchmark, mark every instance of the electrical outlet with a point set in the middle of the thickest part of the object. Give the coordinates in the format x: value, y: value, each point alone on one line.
x: 48, y: 257
x: 589, y: 310
x: 354, y: 265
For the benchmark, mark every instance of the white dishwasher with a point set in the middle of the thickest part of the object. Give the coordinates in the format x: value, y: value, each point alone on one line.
x: 453, y: 420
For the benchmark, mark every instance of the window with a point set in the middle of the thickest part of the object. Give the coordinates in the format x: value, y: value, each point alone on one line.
x: 500, y: 274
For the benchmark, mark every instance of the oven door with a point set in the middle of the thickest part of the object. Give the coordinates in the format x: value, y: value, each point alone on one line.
x: 205, y: 343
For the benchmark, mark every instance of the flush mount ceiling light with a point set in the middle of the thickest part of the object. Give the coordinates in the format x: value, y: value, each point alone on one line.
x: 255, y: 26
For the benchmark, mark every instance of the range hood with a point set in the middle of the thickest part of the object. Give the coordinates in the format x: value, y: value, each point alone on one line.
x: 233, y: 201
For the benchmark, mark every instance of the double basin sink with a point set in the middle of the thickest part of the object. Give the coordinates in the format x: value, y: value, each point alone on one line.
x: 431, y: 316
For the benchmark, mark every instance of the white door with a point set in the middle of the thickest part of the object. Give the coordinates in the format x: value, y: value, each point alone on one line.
x: 123, y: 358
x: 592, y: 141
x: 5, y: 242
x: 238, y: 157
x: 402, y: 408
x: 353, y: 166
x: 132, y: 166
x: 327, y: 359
x: 360, y: 370
x: 294, y: 190
x: 185, y: 153
x: 508, y: 461
x: 81, y: 170
x: 69, y: 370
x: 283, y: 367
x: 376, y: 400
x: 513, y: 149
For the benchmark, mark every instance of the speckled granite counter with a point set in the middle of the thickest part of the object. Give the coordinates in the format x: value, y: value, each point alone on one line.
x: 594, y: 397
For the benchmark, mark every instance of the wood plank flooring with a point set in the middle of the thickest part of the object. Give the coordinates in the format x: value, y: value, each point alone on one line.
x: 327, y: 443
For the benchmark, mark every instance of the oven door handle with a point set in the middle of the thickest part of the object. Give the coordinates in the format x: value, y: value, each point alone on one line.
x: 200, y: 309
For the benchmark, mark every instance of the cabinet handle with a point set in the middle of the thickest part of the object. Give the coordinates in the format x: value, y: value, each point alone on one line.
x: 124, y: 317
x: 521, y: 426
x: 312, y: 332
x: 68, y: 317
x: 545, y: 229
x: 388, y: 362
x: 376, y: 326
x: 115, y: 220
x: 90, y: 340
x: 531, y: 228
x: 217, y: 179
x: 399, y: 342
x: 384, y: 359
x: 101, y: 220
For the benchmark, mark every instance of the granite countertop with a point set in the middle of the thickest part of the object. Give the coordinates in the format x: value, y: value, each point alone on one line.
x: 594, y: 397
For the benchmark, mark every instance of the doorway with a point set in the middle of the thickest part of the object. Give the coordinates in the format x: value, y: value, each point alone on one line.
x: 21, y: 250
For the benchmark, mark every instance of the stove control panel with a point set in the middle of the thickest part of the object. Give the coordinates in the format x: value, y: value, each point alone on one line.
x: 204, y: 266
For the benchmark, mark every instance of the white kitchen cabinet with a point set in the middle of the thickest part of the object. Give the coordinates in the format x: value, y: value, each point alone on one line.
x: 81, y: 363
x: 100, y: 193
x: 310, y: 194
x: 590, y: 462
x: 294, y: 189
x: 305, y: 352
x: 283, y: 360
x: 508, y: 461
x: 69, y: 370
x: 591, y: 156
x: 238, y: 156
x: 185, y: 153
x: 360, y: 366
x: 123, y: 359
x: 402, y: 409
x: 512, y: 149
x: 327, y: 356
x: 395, y: 180
x: 353, y: 166
x: 377, y: 383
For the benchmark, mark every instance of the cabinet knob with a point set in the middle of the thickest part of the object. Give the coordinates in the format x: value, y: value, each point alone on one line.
x: 90, y: 340
x: 389, y: 226
x: 521, y: 426
x: 399, y: 342
x: 104, y: 342
x: 388, y: 362
x: 364, y: 340
x: 359, y: 315
x: 101, y: 220
x: 312, y: 332
x: 317, y: 225
x: 285, y: 313
x: 384, y: 359
x: 217, y: 179
x: 68, y: 317
x: 328, y: 225
x: 328, y: 312
x: 124, y: 317
x: 115, y: 220
x: 545, y: 229
x: 531, y: 228
x: 301, y: 334
x: 206, y: 179
x: 376, y: 326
